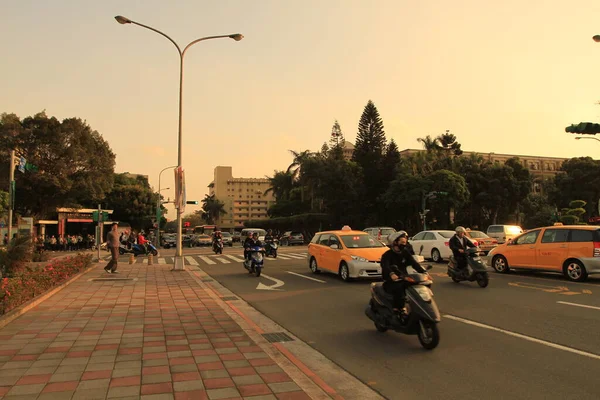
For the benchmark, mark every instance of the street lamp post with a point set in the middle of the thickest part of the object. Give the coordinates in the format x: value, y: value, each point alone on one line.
x: 158, y: 213
x: 179, y: 263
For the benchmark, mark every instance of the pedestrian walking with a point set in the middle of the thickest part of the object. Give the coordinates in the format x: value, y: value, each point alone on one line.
x: 112, y: 243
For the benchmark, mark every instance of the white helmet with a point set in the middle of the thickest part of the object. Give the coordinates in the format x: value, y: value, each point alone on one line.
x: 460, y: 229
x: 397, y: 235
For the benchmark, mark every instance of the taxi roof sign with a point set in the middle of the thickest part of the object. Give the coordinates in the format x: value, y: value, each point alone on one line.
x: 346, y: 228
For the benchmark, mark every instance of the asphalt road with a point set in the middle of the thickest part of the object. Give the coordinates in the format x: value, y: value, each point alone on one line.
x: 522, y: 359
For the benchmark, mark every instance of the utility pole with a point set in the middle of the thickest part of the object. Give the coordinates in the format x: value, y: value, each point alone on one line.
x: 11, y: 193
x: 98, y: 231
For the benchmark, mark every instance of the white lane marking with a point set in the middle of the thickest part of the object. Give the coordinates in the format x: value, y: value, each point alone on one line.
x: 578, y: 305
x: 524, y: 337
x: 294, y: 256
x: 277, y: 284
x: 283, y: 257
x: 162, y: 261
x: 234, y: 258
x: 306, y: 277
x: 206, y: 260
x: 222, y: 260
x: 297, y: 254
x: 191, y: 260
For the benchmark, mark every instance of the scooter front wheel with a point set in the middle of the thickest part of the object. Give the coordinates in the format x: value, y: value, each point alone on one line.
x: 257, y: 271
x: 429, y: 335
x: 483, y: 280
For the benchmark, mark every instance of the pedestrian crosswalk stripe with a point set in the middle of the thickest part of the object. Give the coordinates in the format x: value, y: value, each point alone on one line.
x: 294, y: 256
x: 191, y: 260
x: 206, y: 260
x: 297, y: 254
x: 283, y: 257
x: 222, y: 260
x: 162, y: 261
x: 234, y: 258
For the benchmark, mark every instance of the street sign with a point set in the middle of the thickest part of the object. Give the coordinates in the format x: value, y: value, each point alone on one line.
x: 22, y: 163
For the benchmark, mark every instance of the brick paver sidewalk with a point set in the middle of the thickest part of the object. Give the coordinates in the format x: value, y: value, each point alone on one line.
x: 157, y: 336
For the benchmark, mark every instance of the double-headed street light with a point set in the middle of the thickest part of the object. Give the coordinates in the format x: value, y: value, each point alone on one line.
x: 179, y: 263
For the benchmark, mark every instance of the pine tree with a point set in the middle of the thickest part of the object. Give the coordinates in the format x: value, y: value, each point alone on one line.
x: 337, y: 136
x: 324, y: 149
x: 370, y: 140
x: 368, y: 153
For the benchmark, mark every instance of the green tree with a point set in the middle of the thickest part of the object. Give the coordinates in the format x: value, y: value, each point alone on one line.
x: 212, y: 209
x: 337, y: 136
x: 133, y: 201
x: 281, y: 185
x: 75, y: 164
x: 368, y: 154
x: 3, y: 202
x: 537, y: 211
x: 430, y: 144
x: 447, y: 142
x: 391, y: 161
x: 579, y: 178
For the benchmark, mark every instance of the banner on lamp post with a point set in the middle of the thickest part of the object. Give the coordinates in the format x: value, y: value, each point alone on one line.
x: 180, y: 189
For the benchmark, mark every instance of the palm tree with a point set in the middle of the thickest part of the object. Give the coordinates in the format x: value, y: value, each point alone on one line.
x: 282, y: 183
x: 212, y: 209
x: 429, y: 143
x: 447, y: 142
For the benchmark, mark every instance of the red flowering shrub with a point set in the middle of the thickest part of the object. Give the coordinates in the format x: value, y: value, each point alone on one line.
x: 27, y: 283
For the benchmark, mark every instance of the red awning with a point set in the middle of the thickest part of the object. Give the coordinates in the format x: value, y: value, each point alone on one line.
x: 79, y: 220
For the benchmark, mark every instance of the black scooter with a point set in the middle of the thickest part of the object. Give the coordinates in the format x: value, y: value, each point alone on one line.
x: 476, y: 269
x: 422, y: 313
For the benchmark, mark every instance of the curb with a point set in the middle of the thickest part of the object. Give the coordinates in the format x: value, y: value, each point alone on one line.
x: 23, y: 308
x: 306, y: 383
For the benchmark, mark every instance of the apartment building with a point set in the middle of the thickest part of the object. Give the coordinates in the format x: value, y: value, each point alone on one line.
x: 244, y: 198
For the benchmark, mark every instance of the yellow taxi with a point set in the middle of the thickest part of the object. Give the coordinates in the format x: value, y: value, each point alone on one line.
x: 346, y: 252
x: 572, y: 250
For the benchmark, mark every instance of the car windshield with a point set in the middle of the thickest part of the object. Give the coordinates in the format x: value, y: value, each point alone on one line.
x: 227, y: 234
x: 478, y: 235
x: 386, y: 232
x: 360, y: 241
x: 203, y: 237
x: 446, y: 234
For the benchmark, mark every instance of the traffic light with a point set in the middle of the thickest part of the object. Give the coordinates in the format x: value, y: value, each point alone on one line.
x: 186, y: 224
x: 192, y: 202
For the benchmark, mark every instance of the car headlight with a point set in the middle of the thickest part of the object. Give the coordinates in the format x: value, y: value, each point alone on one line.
x: 361, y: 259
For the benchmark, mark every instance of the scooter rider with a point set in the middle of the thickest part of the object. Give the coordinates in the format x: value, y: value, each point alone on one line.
x: 248, y: 242
x: 458, y: 244
x: 216, y: 236
x: 400, y: 255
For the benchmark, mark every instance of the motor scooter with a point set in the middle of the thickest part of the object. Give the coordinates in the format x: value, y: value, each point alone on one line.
x: 476, y: 269
x: 422, y: 313
x: 255, y: 263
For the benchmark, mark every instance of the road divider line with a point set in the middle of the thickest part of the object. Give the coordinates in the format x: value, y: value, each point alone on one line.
x: 306, y: 277
x: 524, y: 337
x: 191, y: 260
x: 578, y: 305
x: 206, y: 260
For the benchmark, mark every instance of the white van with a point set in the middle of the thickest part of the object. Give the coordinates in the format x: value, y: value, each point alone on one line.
x: 246, y: 231
x: 504, y: 233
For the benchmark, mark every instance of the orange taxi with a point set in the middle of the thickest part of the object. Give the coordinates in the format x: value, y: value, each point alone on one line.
x: 348, y: 253
x: 572, y: 250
